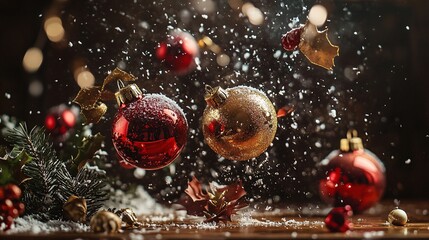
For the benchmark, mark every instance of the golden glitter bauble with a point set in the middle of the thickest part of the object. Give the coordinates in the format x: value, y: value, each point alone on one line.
x: 239, y: 123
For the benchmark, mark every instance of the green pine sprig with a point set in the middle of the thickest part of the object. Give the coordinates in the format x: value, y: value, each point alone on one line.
x: 50, y: 181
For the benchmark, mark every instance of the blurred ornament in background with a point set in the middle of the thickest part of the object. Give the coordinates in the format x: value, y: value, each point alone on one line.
x: 178, y: 52
x: 60, y: 121
x: 238, y: 123
x: 352, y: 175
x: 337, y: 219
x: 149, y: 130
x: 314, y: 44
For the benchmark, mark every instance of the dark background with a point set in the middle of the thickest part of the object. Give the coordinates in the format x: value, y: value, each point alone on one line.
x: 378, y: 85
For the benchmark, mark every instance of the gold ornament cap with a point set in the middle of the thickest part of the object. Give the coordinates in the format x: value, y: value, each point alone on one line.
x: 215, y: 96
x: 352, y: 142
x: 127, y: 93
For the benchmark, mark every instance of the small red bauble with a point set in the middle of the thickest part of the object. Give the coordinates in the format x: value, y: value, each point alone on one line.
x: 149, y: 131
x: 352, y: 176
x: 337, y: 219
x: 59, y: 121
x: 178, y: 52
x: 291, y: 39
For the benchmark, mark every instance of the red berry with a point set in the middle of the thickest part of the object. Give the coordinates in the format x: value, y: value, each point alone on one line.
x: 6, y: 205
x: 1, y: 193
x: 8, y: 221
x: 13, y: 212
x: 20, y: 207
x: 291, y: 39
x: 337, y: 219
x: 12, y: 191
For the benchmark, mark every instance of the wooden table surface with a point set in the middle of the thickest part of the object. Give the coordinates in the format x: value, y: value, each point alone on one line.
x: 287, y: 222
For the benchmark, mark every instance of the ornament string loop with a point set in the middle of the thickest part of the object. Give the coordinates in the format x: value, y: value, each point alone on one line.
x: 209, y: 89
x: 352, y: 133
x: 120, y: 84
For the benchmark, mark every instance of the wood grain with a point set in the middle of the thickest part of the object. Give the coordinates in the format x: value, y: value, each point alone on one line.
x: 285, y: 222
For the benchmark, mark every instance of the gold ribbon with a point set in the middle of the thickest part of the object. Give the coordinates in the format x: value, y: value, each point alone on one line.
x: 315, y: 45
x: 90, y: 99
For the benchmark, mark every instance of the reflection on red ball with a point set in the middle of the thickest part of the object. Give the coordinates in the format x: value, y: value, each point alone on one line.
x: 352, y: 178
x: 149, y: 132
x: 178, y: 52
x: 337, y: 219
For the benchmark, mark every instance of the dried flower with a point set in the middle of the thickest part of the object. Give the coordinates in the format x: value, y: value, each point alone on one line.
x: 216, y: 204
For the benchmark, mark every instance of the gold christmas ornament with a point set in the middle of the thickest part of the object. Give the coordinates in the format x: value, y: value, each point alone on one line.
x: 105, y: 222
x: 75, y: 209
x: 239, y: 123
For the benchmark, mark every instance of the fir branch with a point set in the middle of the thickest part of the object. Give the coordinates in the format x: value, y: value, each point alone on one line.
x: 43, y: 170
x: 51, y: 182
x: 89, y: 183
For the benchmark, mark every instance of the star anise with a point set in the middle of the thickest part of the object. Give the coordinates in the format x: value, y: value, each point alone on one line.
x: 217, y: 204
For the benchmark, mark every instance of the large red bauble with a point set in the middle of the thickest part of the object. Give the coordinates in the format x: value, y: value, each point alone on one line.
x: 150, y: 131
x: 178, y: 52
x: 354, y: 178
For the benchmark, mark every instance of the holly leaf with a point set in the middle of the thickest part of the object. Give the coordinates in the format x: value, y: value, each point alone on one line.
x: 90, y: 145
x: 11, y: 165
x: 315, y: 45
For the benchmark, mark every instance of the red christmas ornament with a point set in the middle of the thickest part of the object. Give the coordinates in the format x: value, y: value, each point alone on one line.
x: 59, y: 121
x: 291, y: 39
x: 10, y: 207
x: 149, y: 131
x: 178, y: 52
x: 352, y: 176
x: 337, y: 219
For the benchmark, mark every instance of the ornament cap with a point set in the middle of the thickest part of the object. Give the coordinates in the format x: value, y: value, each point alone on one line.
x: 215, y: 96
x: 352, y: 142
x: 128, y: 93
